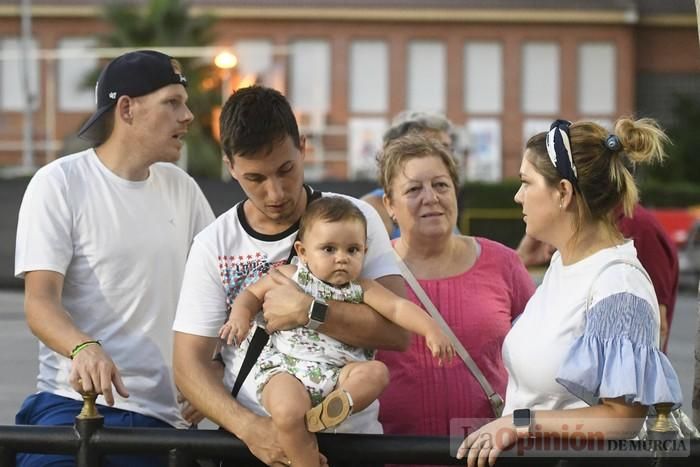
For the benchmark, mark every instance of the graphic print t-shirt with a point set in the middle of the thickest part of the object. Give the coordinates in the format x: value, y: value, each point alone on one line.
x: 229, y: 255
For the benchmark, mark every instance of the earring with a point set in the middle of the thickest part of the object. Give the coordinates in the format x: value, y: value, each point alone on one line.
x: 561, y: 206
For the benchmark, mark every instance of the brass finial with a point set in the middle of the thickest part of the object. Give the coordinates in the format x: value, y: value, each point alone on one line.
x: 663, y: 426
x: 89, y: 409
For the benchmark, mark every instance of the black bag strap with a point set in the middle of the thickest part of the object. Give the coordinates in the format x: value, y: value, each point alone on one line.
x: 494, y: 398
x: 257, y: 343
x: 260, y: 336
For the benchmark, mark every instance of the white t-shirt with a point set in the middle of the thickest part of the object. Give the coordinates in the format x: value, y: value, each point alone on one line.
x: 537, y: 347
x: 229, y: 255
x: 121, y: 247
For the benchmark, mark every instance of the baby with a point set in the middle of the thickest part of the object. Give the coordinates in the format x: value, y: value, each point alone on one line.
x: 301, y: 368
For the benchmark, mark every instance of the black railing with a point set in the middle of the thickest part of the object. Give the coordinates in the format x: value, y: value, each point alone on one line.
x: 182, y: 446
x: 89, y: 440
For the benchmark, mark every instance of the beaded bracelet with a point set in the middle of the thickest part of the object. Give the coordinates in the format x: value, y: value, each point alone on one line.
x: 80, y: 347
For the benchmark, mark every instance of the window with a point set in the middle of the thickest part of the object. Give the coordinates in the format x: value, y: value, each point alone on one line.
x: 540, y: 78
x: 483, y: 77
x: 75, y: 92
x: 369, y: 76
x: 310, y: 76
x: 485, y: 154
x: 13, y: 95
x: 596, y: 78
x: 532, y: 126
x: 254, y: 56
x: 427, y: 78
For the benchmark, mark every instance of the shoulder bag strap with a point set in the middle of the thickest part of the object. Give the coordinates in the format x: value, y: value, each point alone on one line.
x: 260, y: 336
x: 494, y: 398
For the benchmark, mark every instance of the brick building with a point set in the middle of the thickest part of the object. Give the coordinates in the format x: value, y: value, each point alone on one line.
x: 500, y: 69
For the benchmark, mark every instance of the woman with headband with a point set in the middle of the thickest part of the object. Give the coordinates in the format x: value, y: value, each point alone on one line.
x: 583, y: 359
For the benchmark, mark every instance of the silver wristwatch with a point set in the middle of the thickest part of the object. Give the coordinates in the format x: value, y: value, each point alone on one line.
x: 317, y: 314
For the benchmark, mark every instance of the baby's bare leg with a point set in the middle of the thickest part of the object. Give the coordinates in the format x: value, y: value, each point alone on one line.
x: 364, y: 381
x: 359, y: 384
x: 287, y: 401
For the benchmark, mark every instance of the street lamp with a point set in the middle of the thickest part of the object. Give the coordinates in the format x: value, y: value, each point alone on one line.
x: 225, y: 61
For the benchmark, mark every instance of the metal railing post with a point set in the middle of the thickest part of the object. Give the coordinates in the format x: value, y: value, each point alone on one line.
x: 662, y: 429
x: 86, y: 424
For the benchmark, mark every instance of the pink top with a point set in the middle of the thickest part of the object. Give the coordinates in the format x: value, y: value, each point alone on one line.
x: 479, y: 305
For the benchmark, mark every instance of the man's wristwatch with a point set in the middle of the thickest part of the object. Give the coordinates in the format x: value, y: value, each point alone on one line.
x: 317, y: 314
x: 522, y: 421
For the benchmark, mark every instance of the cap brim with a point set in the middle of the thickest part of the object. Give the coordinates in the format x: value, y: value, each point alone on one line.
x: 94, y: 129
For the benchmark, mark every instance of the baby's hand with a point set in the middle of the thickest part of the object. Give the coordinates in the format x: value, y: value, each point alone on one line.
x: 440, y: 345
x: 234, y: 331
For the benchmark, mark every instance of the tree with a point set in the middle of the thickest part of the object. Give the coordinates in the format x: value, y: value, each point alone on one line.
x: 682, y: 165
x: 167, y: 23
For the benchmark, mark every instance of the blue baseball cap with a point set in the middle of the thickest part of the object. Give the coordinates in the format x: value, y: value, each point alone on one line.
x: 133, y: 74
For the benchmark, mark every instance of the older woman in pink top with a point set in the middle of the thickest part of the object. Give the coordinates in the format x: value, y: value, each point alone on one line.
x: 479, y: 286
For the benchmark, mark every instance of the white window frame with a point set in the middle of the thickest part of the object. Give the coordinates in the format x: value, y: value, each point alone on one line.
x: 14, y: 100
x: 310, y: 95
x: 536, y: 97
x: 597, y: 78
x: 255, y: 56
x: 480, y: 78
x: 74, y: 97
x: 437, y: 100
x: 368, y: 75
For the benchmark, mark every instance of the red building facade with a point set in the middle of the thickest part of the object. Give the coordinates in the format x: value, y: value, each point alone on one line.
x: 500, y: 70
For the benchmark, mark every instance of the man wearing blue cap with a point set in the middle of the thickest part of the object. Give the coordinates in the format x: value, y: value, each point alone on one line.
x: 102, y: 240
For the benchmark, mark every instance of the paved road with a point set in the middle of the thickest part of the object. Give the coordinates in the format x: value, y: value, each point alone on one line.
x: 18, y: 351
x: 18, y: 356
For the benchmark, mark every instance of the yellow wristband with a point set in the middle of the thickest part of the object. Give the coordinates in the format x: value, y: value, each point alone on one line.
x: 81, y: 346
